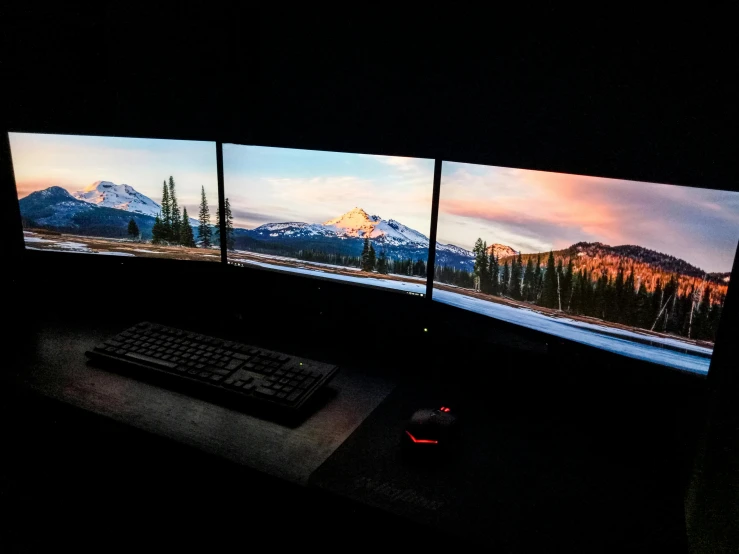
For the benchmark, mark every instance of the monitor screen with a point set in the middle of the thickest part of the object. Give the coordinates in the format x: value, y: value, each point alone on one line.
x: 117, y: 196
x: 639, y: 269
x: 356, y: 218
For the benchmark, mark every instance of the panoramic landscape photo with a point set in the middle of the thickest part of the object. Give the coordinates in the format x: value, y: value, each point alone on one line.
x: 117, y: 196
x: 357, y: 218
x: 639, y: 269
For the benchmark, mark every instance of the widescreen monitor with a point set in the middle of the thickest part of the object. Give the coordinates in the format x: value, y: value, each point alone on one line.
x: 639, y: 269
x: 117, y: 196
x: 355, y: 218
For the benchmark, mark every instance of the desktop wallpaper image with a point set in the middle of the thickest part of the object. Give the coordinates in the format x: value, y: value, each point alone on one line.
x: 117, y: 196
x: 631, y: 267
x: 357, y: 218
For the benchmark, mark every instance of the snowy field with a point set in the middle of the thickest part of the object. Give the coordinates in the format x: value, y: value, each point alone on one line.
x: 286, y: 259
x: 586, y: 333
x: 384, y: 283
x: 234, y: 257
x: 111, y: 247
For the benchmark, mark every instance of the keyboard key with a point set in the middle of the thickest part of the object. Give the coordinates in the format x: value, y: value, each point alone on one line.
x: 219, y: 371
x: 262, y: 391
x: 244, y: 357
x: 248, y: 387
x: 151, y: 360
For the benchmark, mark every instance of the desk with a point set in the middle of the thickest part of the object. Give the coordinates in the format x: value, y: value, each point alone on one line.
x: 519, y: 483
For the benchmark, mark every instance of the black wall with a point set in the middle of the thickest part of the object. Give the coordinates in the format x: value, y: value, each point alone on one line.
x: 654, y: 104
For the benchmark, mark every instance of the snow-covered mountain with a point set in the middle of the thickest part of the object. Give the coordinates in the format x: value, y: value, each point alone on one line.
x: 501, y: 250
x: 353, y: 224
x: 54, y: 208
x: 120, y: 197
x: 357, y: 223
x: 345, y: 234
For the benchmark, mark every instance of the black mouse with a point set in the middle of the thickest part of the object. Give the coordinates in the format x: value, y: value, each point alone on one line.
x: 430, y: 429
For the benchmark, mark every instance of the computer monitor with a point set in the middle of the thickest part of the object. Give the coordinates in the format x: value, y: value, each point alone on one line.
x: 355, y: 218
x: 117, y: 196
x: 639, y: 269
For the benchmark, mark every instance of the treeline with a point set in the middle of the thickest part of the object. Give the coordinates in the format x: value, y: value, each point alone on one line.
x: 618, y: 299
x: 369, y: 261
x: 173, y: 228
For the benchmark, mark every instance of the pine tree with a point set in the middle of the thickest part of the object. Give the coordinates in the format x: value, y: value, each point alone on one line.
x: 567, y: 287
x: 538, y: 280
x: 166, y: 215
x: 158, y: 232
x: 365, y: 254
x: 133, y: 229
x: 371, y: 258
x: 527, y: 291
x: 186, y: 236
x: 174, y: 211
x: 506, y: 278
x: 560, y: 280
x: 230, y: 238
x: 217, y: 228
x: 479, y: 270
x: 628, y: 309
x: 616, y: 302
x: 549, y: 286
x: 382, y: 265
x: 657, y: 298
x: 713, y: 320
x: 204, y: 217
x: 494, y: 274
x: 702, y: 322
x: 642, y: 310
x: 516, y: 276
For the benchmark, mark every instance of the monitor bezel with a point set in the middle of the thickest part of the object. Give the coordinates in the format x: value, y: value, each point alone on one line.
x: 432, y: 223
x: 549, y: 338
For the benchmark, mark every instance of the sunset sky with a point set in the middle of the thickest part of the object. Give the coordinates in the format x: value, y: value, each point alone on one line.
x: 535, y: 211
x: 74, y: 162
x: 274, y: 185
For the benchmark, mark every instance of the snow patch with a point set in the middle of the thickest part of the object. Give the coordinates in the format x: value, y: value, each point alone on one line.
x: 585, y: 333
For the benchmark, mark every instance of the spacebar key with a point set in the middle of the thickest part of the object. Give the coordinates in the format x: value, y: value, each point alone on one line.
x: 164, y: 364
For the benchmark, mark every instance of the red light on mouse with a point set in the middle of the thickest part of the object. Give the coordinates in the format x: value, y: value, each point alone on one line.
x: 445, y: 409
x: 421, y: 441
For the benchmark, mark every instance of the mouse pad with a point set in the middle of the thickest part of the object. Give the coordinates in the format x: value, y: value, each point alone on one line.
x: 513, y: 483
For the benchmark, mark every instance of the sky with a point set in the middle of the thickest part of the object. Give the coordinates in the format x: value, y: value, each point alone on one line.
x: 535, y: 211
x: 75, y: 162
x: 276, y: 185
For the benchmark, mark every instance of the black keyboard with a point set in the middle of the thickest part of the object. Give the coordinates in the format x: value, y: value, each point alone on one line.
x: 229, y: 369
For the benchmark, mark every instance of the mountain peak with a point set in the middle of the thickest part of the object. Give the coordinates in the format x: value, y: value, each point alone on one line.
x: 501, y: 250
x: 355, y: 222
x: 120, y: 197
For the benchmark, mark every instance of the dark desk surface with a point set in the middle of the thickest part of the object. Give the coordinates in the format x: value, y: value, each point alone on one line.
x: 50, y: 360
x: 518, y: 483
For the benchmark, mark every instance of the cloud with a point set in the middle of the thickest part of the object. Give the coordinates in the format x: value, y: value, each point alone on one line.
x: 531, y: 209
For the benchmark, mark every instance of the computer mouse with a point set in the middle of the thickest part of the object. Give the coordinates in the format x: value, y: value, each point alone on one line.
x: 430, y: 429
